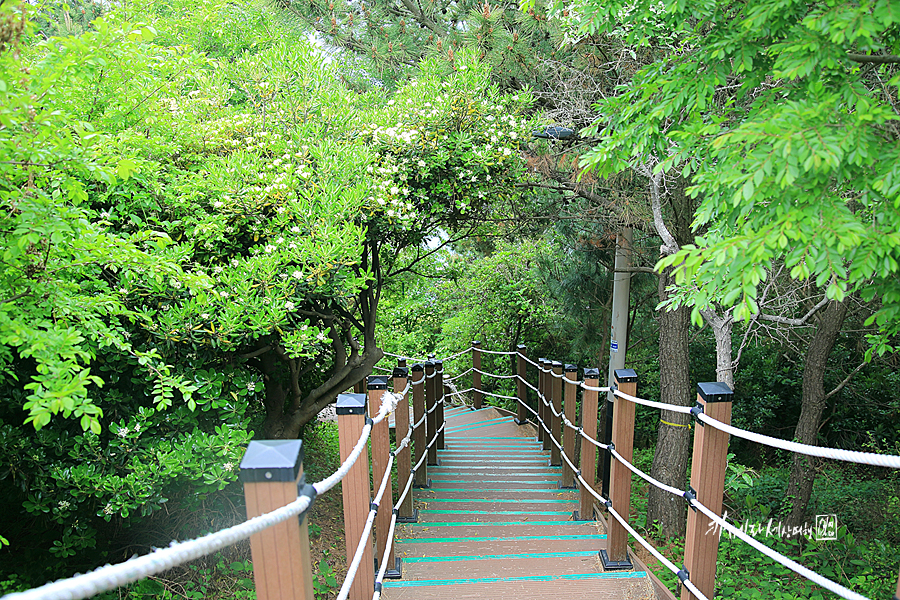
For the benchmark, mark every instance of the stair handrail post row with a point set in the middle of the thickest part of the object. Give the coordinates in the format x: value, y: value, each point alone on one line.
x: 478, y: 397
x: 356, y: 492
x: 556, y: 422
x: 616, y: 555
x: 440, y: 395
x: 708, y: 464
x: 420, y: 433
x: 430, y: 405
x: 405, y: 512
x: 570, y: 399
x: 521, y: 388
x: 542, y: 409
x: 588, y: 464
x: 272, y: 473
x: 381, y: 452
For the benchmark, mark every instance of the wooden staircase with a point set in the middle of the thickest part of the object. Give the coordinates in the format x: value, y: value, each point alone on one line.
x: 494, y: 524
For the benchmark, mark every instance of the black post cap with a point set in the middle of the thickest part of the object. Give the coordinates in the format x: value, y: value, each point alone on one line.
x: 351, y: 404
x: 418, y: 367
x: 557, y: 364
x: 476, y: 343
x: 429, y: 363
x: 715, y: 391
x: 272, y: 460
x: 400, y: 372
x: 542, y: 360
x: 591, y: 373
x: 571, y: 369
x: 521, y: 347
x: 376, y: 382
x: 626, y: 376
x: 439, y: 364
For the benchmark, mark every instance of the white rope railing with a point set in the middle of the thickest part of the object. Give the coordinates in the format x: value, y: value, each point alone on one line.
x: 865, y: 458
x: 367, y: 529
x: 494, y: 375
x: 110, y: 577
x: 455, y: 377
x: 496, y: 352
x: 457, y: 355
x: 652, y: 404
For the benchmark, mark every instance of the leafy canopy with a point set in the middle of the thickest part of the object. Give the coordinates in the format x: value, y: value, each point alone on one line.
x: 782, y: 116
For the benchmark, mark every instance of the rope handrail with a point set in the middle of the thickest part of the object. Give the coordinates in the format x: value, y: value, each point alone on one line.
x: 529, y: 361
x: 498, y: 395
x: 660, y: 405
x: 593, y: 388
x: 412, y: 358
x: 367, y: 529
x: 110, y: 577
x: 454, y: 378
x: 650, y: 547
x: 457, y: 355
x: 854, y: 456
x: 794, y: 566
x: 496, y: 352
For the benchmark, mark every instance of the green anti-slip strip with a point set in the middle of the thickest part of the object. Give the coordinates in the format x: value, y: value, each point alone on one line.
x: 543, y: 578
x: 450, y: 461
x: 477, y: 426
x: 494, y: 420
x: 542, y: 513
x: 475, y: 491
x: 461, y: 412
x: 515, y: 538
x: 494, y: 523
x: 472, y: 468
x: 521, y: 439
x: 504, y: 500
x: 500, y: 480
x: 432, y: 559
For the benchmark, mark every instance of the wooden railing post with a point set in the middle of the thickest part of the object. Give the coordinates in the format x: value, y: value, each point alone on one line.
x: 355, y: 490
x: 556, y: 422
x: 271, y: 471
x: 476, y: 376
x: 440, y: 399
x: 405, y: 512
x: 431, y: 420
x: 381, y: 453
x: 521, y: 388
x: 616, y: 554
x: 588, y: 465
x: 707, y: 483
x: 542, y: 409
x: 570, y: 394
x: 420, y: 433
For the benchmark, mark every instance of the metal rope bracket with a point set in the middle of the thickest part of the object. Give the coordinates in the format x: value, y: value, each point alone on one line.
x: 695, y: 412
x: 690, y: 495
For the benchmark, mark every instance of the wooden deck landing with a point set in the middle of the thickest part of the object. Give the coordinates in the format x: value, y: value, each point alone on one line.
x: 495, y: 525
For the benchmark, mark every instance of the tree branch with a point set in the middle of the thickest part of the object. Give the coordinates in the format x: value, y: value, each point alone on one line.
x: 846, y: 380
x: 878, y: 59
x: 795, y: 322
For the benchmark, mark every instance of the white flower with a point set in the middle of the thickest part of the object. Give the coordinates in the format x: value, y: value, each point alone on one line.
x: 123, y: 432
x: 289, y: 305
x: 421, y: 163
x: 204, y: 316
x: 228, y: 466
x: 295, y: 229
x: 270, y: 248
x: 223, y: 294
x: 297, y: 275
x: 63, y: 505
x: 108, y: 509
x: 218, y: 204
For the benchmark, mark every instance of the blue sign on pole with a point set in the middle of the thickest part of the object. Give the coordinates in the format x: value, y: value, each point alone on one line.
x: 614, y: 346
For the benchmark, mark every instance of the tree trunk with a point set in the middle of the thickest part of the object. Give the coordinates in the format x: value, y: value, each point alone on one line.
x: 673, y: 439
x: 803, y: 468
x: 722, y: 327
